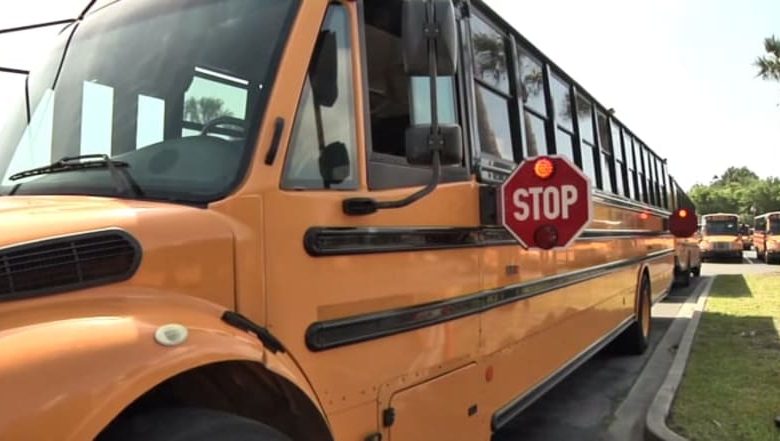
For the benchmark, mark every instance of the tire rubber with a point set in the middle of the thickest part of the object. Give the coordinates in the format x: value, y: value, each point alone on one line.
x: 188, y: 424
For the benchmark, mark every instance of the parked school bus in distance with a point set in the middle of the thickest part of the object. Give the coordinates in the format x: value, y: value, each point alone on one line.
x: 746, y: 235
x: 720, y: 236
x: 278, y: 219
x: 766, y: 235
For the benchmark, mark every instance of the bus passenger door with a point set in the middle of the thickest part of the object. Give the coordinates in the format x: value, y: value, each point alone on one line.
x: 361, y: 301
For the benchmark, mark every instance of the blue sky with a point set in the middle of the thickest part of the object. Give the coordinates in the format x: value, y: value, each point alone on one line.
x: 678, y: 72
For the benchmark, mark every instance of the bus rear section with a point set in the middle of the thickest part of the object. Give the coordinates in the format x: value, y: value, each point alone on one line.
x: 720, y: 238
x: 688, y: 256
x: 766, y: 238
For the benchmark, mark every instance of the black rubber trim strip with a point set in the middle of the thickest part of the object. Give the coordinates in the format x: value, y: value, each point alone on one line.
x: 37, y: 25
x: 237, y: 320
x: 350, y: 330
x: 516, y: 406
x: 275, y: 141
x: 341, y: 241
x: 623, y: 202
x: 14, y: 71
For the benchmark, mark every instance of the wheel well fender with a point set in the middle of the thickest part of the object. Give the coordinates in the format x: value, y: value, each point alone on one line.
x: 244, y: 388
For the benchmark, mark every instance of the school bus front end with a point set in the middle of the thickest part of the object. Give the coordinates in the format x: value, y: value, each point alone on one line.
x: 720, y: 238
x: 252, y: 216
x: 765, y: 236
x: 133, y: 226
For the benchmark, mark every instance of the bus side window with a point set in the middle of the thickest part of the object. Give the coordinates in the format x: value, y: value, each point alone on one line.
x: 492, y: 89
x: 336, y: 122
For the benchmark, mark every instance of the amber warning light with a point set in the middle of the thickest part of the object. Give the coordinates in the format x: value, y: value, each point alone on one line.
x: 544, y: 168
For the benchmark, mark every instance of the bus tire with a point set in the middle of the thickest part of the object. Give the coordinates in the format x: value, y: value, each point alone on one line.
x: 685, y: 276
x: 696, y: 271
x: 634, y: 340
x: 188, y: 424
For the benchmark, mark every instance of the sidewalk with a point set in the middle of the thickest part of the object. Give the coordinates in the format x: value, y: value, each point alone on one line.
x: 656, y: 428
x: 671, y: 354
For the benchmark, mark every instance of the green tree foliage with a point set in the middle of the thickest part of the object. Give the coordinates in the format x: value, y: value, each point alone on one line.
x: 203, y: 110
x: 769, y: 65
x: 737, y: 190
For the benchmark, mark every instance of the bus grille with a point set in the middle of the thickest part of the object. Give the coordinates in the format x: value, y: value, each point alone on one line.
x: 67, y: 263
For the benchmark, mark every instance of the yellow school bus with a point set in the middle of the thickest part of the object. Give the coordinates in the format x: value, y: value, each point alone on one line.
x: 720, y: 236
x: 278, y: 220
x: 766, y: 227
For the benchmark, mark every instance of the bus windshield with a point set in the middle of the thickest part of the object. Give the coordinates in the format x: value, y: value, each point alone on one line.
x: 721, y: 227
x: 774, y: 226
x: 172, y: 88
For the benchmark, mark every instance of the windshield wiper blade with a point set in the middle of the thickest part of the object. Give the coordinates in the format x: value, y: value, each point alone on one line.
x: 123, y: 181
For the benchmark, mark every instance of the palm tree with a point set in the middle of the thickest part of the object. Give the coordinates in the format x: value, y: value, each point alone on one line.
x: 769, y: 65
x: 204, y: 109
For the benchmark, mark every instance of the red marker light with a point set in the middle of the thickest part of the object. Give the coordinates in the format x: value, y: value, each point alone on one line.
x: 546, y: 237
x: 683, y: 213
x: 544, y: 168
x: 644, y: 216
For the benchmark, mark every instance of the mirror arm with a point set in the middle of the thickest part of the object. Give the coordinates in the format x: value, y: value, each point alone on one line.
x: 364, y: 206
x: 414, y: 197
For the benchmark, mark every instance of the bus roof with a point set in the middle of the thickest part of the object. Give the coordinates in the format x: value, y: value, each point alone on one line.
x: 771, y: 213
x: 704, y: 217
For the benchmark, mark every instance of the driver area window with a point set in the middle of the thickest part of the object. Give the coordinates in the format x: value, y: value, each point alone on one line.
x: 323, y: 151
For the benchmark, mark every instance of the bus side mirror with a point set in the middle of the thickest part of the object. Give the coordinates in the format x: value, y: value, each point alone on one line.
x: 334, y: 163
x: 419, y: 152
x: 430, y: 49
x: 325, y: 70
x: 682, y: 223
x: 417, y: 26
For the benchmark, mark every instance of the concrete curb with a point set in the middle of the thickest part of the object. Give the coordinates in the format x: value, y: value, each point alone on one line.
x: 655, y: 423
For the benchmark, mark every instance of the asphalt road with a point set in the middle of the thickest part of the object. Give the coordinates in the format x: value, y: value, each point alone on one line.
x: 583, y: 406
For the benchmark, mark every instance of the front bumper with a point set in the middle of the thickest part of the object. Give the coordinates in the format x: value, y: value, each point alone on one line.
x: 721, y: 254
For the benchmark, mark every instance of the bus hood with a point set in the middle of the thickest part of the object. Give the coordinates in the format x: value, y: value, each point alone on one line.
x: 183, y: 249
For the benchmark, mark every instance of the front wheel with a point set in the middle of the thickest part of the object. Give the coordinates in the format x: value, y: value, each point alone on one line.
x: 189, y: 425
x: 696, y: 271
x: 634, y: 340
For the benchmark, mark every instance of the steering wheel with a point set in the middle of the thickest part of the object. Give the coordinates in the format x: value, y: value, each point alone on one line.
x: 224, y: 120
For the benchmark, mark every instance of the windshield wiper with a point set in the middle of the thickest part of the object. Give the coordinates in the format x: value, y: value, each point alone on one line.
x: 123, y: 181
